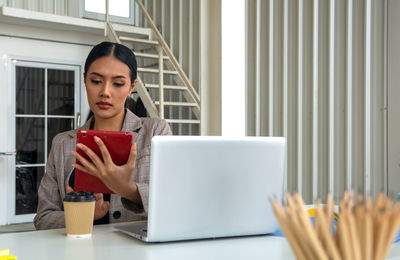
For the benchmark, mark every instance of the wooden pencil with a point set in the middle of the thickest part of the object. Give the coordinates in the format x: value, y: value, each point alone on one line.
x: 317, y: 225
x: 343, y: 234
x: 303, y: 239
x: 350, y: 200
x: 327, y: 238
x: 329, y: 211
x: 359, y: 215
x: 378, y: 204
x: 383, y: 229
x: 305, y: 223
x: 379, y: 245
x: 283, y: 223
x: 290, y: 201
x: 298, y: 232
x: 309, y: 231
x: 378, y: 225
x: 348, y: 230
x: 368, y: 229
x: 355, y: 241
x: 388, y: 204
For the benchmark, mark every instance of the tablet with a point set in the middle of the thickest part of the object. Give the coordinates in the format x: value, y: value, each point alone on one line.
x: 118, y: 145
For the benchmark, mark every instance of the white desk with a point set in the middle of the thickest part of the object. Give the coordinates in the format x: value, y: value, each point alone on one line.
x: 107, y: 243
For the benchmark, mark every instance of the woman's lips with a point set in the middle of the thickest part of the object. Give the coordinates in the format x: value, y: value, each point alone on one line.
x: 103, y: 105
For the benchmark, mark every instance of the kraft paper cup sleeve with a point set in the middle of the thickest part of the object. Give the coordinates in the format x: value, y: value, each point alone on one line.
x: 79, y: 213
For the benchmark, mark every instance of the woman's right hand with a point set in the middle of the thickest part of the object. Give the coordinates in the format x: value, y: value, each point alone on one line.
x: 101, y: 207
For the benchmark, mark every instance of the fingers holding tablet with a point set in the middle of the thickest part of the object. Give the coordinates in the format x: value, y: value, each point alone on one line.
x: 105, y: 161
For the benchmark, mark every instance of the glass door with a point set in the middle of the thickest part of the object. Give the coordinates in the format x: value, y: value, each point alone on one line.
x: 47, y: 99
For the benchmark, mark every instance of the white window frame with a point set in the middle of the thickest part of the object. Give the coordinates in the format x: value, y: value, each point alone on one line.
x: 13, y: 62
x: 133, y: 8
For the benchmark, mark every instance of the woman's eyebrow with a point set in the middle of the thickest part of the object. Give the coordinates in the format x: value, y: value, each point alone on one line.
x: 119, y: 77
x: 115, y: 77
x: 97, y: 74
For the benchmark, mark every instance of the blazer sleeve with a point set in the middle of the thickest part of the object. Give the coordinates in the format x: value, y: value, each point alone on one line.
x: 161, y: 127
x: 50, y: 210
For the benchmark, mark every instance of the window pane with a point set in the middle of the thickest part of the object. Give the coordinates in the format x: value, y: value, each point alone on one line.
x: 119, y: 8
x: 27, y: 184
x: 60, y: 92
x: 116, y: 7
x: 29, y: 90
x: 55, y: 126
x: 30, y: 140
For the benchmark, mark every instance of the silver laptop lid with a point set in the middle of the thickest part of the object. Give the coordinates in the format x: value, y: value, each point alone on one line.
x: 202, y: 187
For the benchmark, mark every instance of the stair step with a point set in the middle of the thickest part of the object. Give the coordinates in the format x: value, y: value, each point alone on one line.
x: 173, y: 72
x: 182, y: 121
x: 148, y: 55
x: 183, y: 104
x: 166, y: 86
x: 138, y: 40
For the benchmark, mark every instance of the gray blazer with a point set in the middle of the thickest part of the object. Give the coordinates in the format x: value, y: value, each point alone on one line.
x: 52, y: 188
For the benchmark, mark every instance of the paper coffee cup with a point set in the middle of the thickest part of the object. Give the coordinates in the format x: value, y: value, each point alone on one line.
x: 79, y: 213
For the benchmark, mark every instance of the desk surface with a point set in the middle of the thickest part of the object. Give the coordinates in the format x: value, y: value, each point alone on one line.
x: 108, y: 243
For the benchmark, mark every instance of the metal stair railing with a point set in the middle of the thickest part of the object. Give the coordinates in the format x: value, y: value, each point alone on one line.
x: 169, y: 53
x: 173, y: 68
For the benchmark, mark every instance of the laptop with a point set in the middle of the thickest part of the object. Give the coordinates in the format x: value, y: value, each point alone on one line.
x: 210, y: 187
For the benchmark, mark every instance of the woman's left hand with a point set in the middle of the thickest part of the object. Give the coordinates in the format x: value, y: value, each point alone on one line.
x: 116, y: 178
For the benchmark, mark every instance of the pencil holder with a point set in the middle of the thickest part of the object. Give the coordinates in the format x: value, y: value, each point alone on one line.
x: 364, y: 229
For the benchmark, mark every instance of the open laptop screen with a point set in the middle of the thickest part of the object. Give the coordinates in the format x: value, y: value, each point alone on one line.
x: 202, y: 187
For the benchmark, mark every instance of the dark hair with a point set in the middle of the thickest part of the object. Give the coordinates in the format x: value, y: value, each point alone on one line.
x: 117, y: 50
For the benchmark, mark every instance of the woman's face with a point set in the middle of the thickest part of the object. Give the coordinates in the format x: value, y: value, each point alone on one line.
x: 108, y: 83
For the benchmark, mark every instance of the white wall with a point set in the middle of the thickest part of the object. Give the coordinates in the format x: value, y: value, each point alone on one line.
x: 14, y: 45
x: 233, y: 68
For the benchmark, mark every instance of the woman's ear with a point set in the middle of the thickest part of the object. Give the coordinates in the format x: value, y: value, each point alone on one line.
x: 133, y: 85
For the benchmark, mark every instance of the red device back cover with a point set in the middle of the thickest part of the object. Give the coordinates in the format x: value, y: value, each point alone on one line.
x: 118, y: 145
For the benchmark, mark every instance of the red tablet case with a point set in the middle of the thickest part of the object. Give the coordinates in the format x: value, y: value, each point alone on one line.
x: 118, y: 145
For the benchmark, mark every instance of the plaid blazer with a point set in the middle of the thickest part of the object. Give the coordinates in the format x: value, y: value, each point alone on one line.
x: 52, y: 190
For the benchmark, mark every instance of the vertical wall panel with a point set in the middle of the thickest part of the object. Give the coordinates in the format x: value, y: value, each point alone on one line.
x: 358, y: 95
x: 349, y: 93
x: 277, y: 95
x: 292, y: 88
x: 299, y: 116
x: 263, y: 52
x: 378, y: 96
x: 322, y: 85
x: 315, y: 101
x: 392, y: 107
x: 331, y: 131
x: 340, y: 115
x: 308, y: 78
x: 285, y: 78
x: 251, y: 67
x: 271, y: 64
x: 323, y: 97
x: 367, y: 73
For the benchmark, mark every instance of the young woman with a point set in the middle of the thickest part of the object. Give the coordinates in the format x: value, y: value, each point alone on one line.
x: 110, y: 77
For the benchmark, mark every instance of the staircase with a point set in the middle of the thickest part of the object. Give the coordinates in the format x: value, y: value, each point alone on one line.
x: 162, y: 85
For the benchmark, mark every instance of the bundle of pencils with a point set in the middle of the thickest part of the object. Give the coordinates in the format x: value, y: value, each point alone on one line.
x: 364, y: 229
